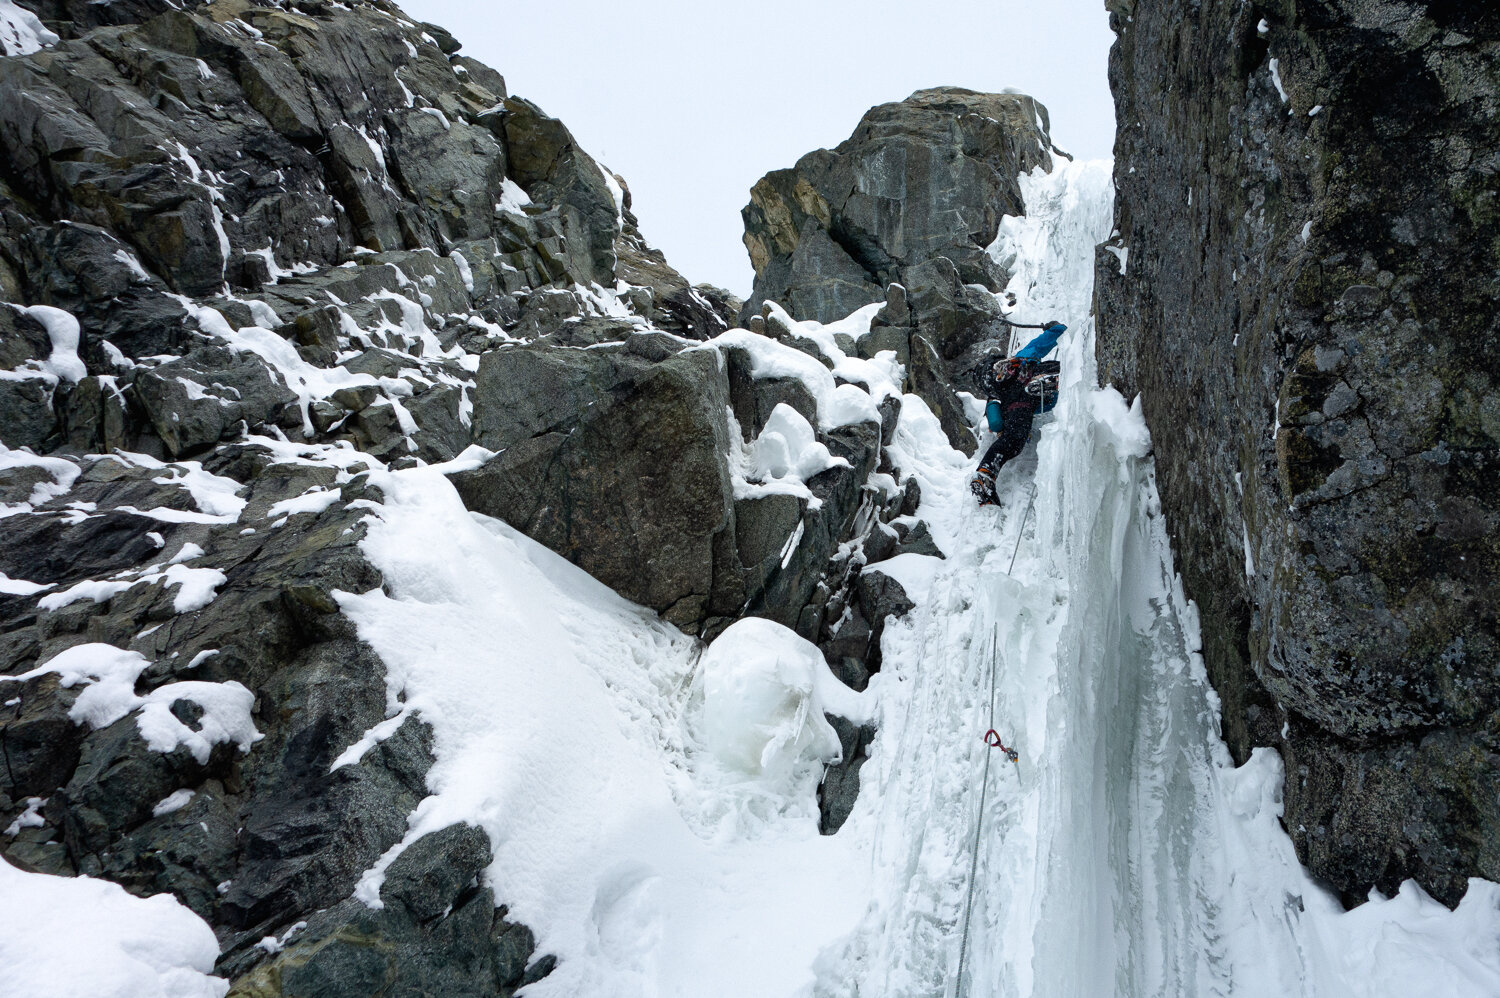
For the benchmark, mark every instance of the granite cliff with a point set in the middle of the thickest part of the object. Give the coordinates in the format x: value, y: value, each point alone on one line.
x: 926, y: 178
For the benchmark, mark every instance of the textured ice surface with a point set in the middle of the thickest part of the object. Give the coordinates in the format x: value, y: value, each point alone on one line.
x: 1125, y: 855
x: 761, y: 712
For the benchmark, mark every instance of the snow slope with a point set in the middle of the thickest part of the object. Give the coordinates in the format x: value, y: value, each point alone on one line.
x: 651, y: 855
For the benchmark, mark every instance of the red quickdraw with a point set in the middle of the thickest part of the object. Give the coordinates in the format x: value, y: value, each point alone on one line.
x: 993, y: 740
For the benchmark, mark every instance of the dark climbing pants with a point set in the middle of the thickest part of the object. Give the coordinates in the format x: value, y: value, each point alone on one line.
x: 1014, y: 431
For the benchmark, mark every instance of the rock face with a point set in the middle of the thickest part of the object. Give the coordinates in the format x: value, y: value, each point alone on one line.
x: 618, y: 458
x: 903, y: 211
x: 1302, y: 288
x: 248, y: 253
x: 439, y: 932
x: 926, y: 178
x: 252, y: 255
x: 249, y: 838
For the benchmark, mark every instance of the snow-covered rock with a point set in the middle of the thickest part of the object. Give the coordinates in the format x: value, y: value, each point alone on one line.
x: 762, y: 716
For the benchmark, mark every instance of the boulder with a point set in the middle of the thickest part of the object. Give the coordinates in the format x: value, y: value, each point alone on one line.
x: 881, y: 597
x: 439, y: 932
x: 42, y: 744
x: 22, y: 338
x: 762, y: 526
x: 193, y: 401
x: 615, y: 461
x: 27, y: 417
x: 96, y: 416
x: 916, y: 539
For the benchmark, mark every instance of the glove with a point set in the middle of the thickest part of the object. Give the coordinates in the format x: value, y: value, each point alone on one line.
x: 1052, y: 322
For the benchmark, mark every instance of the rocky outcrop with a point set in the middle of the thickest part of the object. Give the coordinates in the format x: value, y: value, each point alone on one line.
x: 438, y: 931
x: 1302, y: 289
x: 922, y: 179
x: 619, y: 458
x: 903, y: 211
x: 249, y: 254
x: 249, y: 837
x: 257, y: 250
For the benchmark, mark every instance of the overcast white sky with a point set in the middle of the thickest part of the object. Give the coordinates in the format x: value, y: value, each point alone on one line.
x: 692, y: 102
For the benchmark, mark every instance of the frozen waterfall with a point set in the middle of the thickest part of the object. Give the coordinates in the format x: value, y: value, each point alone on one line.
x: 1125, y: 854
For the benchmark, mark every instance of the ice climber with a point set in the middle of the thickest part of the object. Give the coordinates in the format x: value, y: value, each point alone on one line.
x: 1017, y: 388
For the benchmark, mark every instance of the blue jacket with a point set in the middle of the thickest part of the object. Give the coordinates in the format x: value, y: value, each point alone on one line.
x: 1042, y: 344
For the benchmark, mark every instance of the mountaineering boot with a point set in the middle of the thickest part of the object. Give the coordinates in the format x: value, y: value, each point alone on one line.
x: 983, y: 487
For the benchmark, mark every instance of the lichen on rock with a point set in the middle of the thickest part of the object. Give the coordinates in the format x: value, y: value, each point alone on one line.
x: 1308, y: 313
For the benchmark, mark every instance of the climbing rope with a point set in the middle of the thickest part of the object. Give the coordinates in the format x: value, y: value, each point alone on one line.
x: 984, y: 789
x: 1022, y: 532
x: 993, y: 740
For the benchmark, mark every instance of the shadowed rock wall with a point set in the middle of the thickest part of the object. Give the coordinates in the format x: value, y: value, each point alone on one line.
x: 1303, y: 288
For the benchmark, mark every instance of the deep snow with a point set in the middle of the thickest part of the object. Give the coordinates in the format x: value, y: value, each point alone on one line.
x: 67, y: 937
x: 652, y: 802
